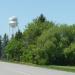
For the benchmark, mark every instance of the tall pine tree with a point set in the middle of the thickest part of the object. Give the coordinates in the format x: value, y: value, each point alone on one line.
x: 4, y: 44
x: 0, y: 47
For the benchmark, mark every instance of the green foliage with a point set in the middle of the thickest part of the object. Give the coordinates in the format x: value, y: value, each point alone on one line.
x: 41, y: 18
x: 18, y: 35
x: 4, y: 44
x: 0, y: 47
x: 44, y: 43
x: 70, y: 54
x: 13, y: 50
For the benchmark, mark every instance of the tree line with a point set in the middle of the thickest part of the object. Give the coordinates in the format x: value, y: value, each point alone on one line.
x: 42, y: 42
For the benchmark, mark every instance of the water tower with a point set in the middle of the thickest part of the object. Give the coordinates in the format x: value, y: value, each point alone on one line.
x: 13, y: 23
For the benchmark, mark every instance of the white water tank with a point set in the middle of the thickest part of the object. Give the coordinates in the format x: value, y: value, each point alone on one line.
x: 13, y: 21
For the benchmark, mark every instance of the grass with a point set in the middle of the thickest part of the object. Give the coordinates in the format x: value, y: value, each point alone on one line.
x: 61, y: 68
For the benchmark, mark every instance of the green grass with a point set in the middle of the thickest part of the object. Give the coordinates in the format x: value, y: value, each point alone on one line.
x: 62, y: 68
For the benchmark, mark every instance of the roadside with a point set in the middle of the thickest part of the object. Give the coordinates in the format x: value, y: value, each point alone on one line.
x: 54, y: 67
x: 20, y: 69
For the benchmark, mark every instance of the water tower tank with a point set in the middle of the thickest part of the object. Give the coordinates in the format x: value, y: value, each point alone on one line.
x: 13, y: 22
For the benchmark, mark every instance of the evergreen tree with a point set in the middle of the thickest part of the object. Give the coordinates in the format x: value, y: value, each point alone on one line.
x: 4, y: 43
x: 41, y: 18
x: 0, y: 47
x: 18, y: 35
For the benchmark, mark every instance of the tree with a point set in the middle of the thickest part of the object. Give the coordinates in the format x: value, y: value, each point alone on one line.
x: 0, y: 47
x: 18, y: 35
x: 43, y: 42
x: 13, y: 50
x: 41, y: 18
x: 4, y: 44
x: 70, y: 54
